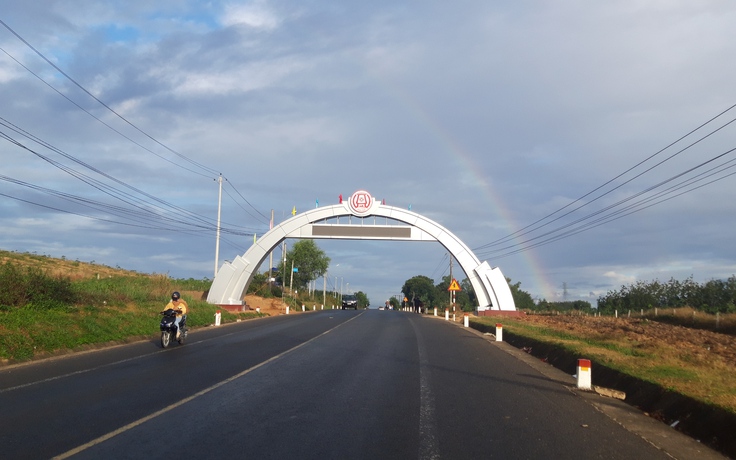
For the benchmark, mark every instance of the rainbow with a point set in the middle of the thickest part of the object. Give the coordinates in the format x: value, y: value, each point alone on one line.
x: 540, y: 283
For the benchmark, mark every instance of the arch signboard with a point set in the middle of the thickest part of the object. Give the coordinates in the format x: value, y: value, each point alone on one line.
x: 232, y: 279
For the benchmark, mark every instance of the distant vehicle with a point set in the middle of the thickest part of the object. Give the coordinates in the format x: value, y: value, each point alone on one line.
x: 349, y: 301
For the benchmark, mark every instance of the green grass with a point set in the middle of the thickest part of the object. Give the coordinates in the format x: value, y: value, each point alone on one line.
x: 701, y: 376
x: 95, y: 309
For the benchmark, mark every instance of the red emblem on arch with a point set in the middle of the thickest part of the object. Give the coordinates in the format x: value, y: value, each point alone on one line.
x: 361, y: 202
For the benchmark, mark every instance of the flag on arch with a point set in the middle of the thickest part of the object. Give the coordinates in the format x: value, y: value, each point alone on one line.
x: 316, y: 203
x: 293, y: 211
x: 340, y: 198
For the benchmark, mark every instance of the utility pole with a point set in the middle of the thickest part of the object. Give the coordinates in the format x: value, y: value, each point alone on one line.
x: 291, y: 282
x: 283, y: 270
x: 270, y: 258
x: 452, y: 293
x: 217, y: 239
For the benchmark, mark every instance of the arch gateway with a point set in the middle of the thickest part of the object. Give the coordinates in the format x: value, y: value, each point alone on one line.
x: 233, y: 278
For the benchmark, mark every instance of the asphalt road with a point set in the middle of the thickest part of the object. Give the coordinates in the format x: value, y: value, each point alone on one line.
x: 323, y: 385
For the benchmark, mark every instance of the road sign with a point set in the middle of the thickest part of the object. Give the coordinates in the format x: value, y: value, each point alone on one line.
x: 454, y: 286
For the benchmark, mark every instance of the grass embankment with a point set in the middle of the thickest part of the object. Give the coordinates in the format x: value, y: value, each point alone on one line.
x: 695, y: 363
x: 118, y: 306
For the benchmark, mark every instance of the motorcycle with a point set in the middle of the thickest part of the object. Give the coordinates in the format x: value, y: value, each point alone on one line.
x: 169, y: 329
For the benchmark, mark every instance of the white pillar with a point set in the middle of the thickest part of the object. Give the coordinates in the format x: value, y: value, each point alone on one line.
x: 466, y: 320
x: 499, y: 332
x: 584, y: 374
x: 218, y: 318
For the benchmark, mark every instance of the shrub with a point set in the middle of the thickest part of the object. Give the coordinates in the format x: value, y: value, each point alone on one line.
x: 31, y: 286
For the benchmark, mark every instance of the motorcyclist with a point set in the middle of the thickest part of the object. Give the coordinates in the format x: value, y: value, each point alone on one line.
x: 180, y: 306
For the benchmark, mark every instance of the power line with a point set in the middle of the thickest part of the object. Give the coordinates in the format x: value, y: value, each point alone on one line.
x: 82, y: 88
x: 78, y: 85
x: 99, y: 119
x: 645, y: 203
x: 533, y: 226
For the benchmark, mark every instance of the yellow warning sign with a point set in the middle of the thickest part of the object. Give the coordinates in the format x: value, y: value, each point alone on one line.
x: 454, y: 286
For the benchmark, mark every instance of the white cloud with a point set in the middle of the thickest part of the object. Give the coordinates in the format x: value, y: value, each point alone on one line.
x: 255, y: 15
x: 485, y: 117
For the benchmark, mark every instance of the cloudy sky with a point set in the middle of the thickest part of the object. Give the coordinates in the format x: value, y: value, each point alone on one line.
x: 577, y: 145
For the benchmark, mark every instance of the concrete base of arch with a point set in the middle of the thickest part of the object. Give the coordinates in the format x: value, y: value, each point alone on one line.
x: 232, y: 279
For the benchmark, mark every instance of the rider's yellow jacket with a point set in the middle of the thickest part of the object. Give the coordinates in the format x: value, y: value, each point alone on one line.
x: 180, y: 305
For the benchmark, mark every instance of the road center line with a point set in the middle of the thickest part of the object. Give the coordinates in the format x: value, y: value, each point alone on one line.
x: 428, y: 448
x: 173, y: 406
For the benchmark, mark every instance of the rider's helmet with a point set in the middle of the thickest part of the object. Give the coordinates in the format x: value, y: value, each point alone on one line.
x: 175, y: 295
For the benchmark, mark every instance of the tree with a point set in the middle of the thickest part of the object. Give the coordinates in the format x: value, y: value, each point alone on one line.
x: 464, y: 298
x: 363, y: 301
x: 421, y: 288
x: 522, y: 299
x: 394, y: 302
x: 309, y: 261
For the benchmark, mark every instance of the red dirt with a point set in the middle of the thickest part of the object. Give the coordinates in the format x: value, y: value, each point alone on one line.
x: 698, y: 343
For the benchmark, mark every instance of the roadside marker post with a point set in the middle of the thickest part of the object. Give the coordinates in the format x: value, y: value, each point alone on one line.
x: 447, y: 314
x: 466, y: 320
x: 302, y: 307
x: 499, y: 332
x: 287, y: 310
x: 584, y: 374
x: 435, y: 311
x: 258, y: 309
x: 218, y: 318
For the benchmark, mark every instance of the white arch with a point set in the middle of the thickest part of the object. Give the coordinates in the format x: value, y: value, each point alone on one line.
x: 233, y: 278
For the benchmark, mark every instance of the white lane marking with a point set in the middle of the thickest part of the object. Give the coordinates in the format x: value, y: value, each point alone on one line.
x: 428, y: 448
x: 173, y: 406
x: 102, y: 366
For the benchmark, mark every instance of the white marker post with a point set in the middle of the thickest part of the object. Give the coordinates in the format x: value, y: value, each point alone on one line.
x: 435, y: 311
x: 287, y: 310
x: 584, y: 374
x: 258, y: 309
x: 447, y: 314
x: 499, y: 332
x: 466, y: 320
x: 218, y: 318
